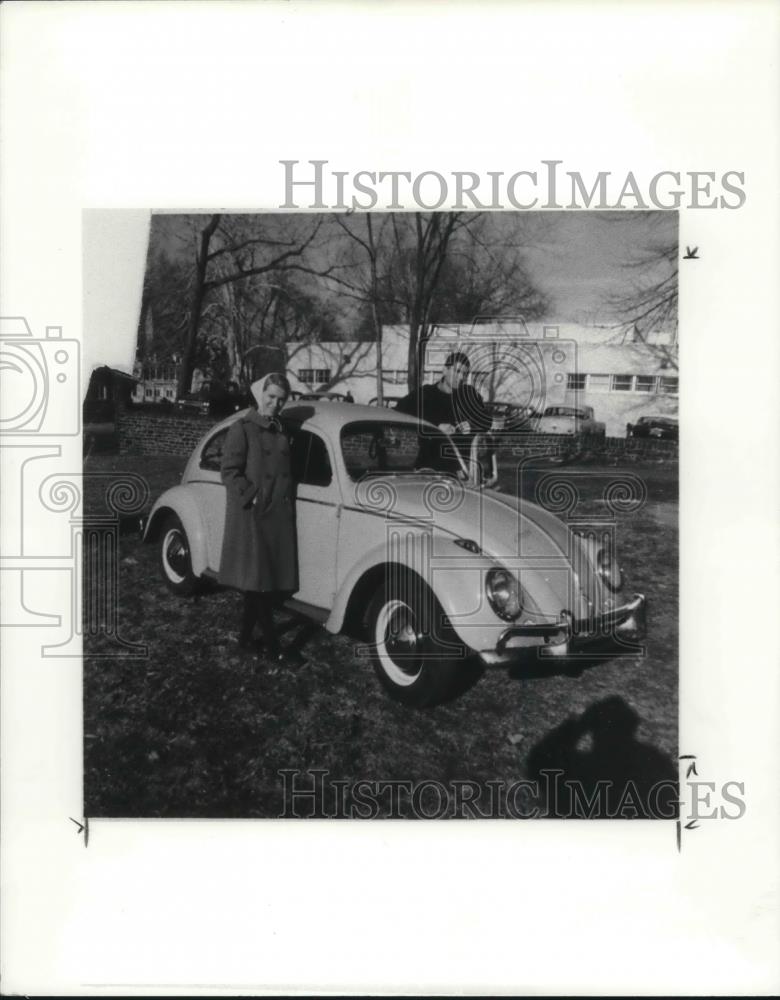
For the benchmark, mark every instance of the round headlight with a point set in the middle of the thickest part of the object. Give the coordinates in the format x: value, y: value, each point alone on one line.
x: 503, y: 593
x: 609, y: 571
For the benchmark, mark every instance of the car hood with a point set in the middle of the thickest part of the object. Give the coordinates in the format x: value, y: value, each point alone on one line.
x: 511, y: 531
x: 500, y: 524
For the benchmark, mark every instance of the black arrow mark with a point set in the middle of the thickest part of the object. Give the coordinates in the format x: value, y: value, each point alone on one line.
x: 692, y: 825
x: 691, y: 254
x: 82, y: 827
x: 691, y: 770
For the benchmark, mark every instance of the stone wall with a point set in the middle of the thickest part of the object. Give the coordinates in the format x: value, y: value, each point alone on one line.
x: 148, y: 433
x: 618, y: 448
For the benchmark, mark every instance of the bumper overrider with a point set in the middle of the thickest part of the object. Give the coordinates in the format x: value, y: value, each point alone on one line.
x: 619, y: 627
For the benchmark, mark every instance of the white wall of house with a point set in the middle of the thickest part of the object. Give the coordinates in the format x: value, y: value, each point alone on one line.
x: 538, y: 365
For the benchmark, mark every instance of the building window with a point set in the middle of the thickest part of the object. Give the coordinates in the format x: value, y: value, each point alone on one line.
x: 575, y: 381
x: 645, y: 383
x: 668, y: 385
x: 599, y: 383
x: 313, y: 376
x: 622, y: 383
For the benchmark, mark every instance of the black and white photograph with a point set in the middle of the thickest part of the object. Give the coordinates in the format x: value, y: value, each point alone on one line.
x: 388, y: 425
x: 405, y: 485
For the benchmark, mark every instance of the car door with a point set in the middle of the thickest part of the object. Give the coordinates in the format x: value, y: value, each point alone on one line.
x: 317, y: 515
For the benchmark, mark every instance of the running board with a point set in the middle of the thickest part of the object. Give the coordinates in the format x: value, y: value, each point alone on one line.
x: 311, y: 611
x: 319, y: 615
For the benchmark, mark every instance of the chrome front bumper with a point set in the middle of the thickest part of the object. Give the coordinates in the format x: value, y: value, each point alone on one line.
x: 621, y: 627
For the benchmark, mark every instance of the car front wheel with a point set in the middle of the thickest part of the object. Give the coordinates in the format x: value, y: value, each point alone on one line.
x: 415, y: 653
x: 175, y: 561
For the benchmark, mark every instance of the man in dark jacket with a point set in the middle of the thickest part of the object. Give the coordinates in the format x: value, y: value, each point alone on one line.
x: 456, y: 408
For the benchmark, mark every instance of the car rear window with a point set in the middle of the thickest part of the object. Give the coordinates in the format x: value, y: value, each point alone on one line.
x: 211, y: 456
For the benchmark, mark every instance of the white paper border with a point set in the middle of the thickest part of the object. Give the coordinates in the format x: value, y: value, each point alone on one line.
x: 173, y: 105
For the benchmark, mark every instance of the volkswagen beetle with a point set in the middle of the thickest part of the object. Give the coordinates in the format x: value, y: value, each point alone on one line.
x: 400, y: 545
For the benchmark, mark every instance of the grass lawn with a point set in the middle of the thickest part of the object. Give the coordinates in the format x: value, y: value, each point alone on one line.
x: 191, y: 730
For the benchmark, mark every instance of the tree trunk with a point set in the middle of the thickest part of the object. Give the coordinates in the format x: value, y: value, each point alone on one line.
x: 198, y: 292
x: 380, y: 378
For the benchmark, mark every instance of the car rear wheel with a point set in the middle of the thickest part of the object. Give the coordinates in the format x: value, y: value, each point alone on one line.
x: 415, y: 654
x: 175, y: 561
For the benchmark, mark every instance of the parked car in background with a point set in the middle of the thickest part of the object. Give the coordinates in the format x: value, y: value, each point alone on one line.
x: 322, y: 397
x: 399, y: 545
x: 389, y: 402
x: 511, y: 417
x: 214, y: 398
x: 664, y: 428
x: 570, y: 420
x: 192, y: 404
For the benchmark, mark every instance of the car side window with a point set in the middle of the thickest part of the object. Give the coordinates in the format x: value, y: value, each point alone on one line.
x: 309, y: 459
x: 211, y: 456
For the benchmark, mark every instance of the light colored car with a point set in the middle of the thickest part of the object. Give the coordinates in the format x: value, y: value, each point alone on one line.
x: 569, y: 420
x: 399, y: 546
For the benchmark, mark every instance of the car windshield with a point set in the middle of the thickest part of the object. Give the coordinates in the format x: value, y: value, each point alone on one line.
x: 384, y: 448
x: 564, y: 411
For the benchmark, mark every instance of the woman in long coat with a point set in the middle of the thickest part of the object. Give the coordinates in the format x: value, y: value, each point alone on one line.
x: 259, y: 547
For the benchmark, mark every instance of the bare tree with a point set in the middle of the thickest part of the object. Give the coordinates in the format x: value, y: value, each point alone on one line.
x: 365, y: 284
x: 231, y: 249
x: 163, y: 318
x: 485, y: 273
x: 421, y: 259
x: 648, y: 304
x: 274, y: 279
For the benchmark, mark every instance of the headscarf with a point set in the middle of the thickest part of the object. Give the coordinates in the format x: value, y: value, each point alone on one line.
x: 258, y: 388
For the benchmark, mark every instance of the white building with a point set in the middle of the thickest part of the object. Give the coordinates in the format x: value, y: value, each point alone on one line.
x: 157, y: 383
x: 530, y: 364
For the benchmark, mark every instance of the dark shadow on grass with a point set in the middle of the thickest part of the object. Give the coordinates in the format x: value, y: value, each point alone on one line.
x: 592, y: 766
x: 306, y: 631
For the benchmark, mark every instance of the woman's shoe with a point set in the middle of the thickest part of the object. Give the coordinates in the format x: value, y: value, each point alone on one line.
x: 251, y: 647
